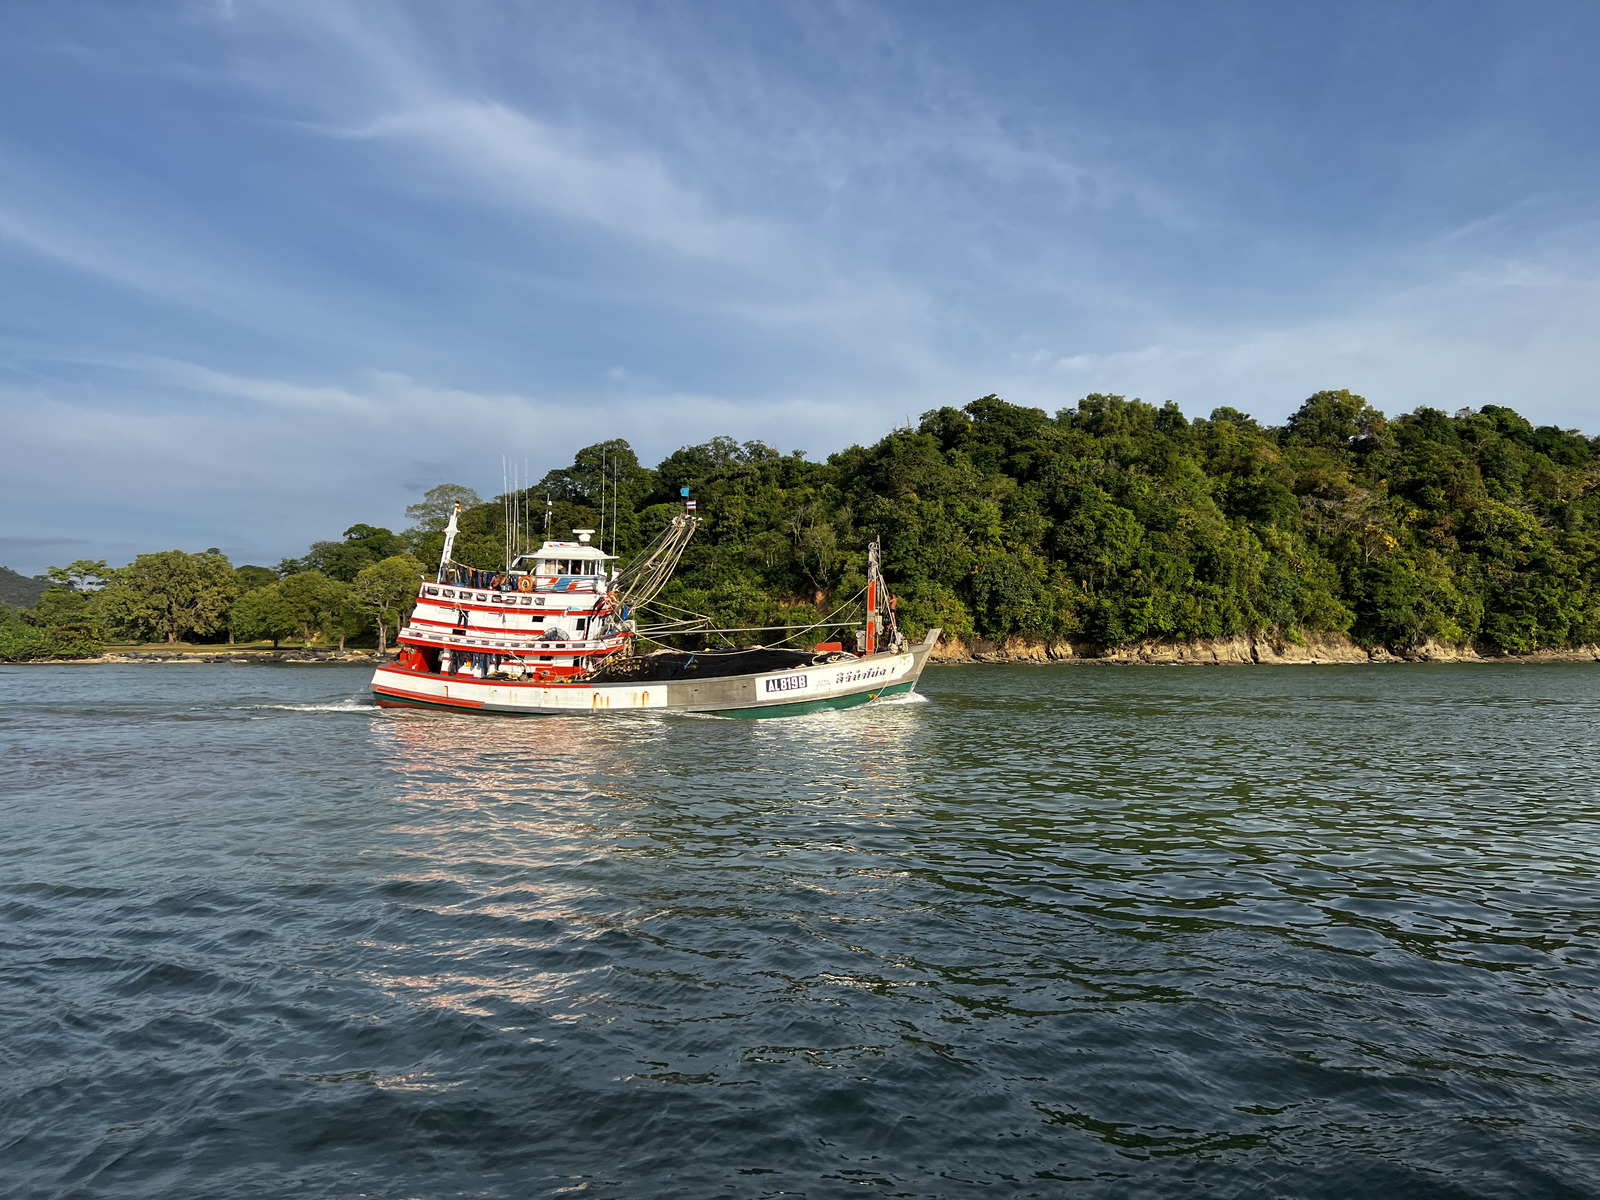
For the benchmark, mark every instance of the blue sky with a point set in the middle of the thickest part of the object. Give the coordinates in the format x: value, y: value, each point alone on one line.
x: 273, y: 268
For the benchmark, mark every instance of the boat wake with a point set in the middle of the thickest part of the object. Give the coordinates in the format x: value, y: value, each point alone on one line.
x: 351, y: 704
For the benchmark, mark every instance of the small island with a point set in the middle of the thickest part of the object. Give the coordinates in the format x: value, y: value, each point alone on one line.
x: 1111, y: 531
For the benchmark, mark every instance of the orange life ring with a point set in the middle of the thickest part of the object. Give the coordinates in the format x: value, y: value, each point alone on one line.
x: 525, y: 584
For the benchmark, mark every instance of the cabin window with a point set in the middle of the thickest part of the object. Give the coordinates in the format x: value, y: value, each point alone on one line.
x: 526, y: 601
x: 431, y: 591
x: 448, y: 592
x: 582, y: 623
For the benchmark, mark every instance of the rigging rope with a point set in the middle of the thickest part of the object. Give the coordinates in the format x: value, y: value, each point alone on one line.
x: 640, y: 583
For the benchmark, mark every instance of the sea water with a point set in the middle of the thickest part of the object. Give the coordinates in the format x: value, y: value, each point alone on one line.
x: 1046, y: 931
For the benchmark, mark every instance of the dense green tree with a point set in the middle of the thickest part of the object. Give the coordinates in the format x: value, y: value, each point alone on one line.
x: 315, y: 600
x: 342, y: 617
x: 72, y: 619
x: 425, y: 538
x: 387, y: 590
x: 22, y: 641
x: 437, y: 503
x: 170, y: 595
x: 307, y: 605
x: 264, y: 612
x: 249, y: 578
x: 362, y: 546
x: 1112, y: 521
x: 85, y: 575
x: 1117, y: 521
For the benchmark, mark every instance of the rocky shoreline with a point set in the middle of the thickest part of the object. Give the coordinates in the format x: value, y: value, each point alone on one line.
x: 1243, y: 650
x: 222, y: 655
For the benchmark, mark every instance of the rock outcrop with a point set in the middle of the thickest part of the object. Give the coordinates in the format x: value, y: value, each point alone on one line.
x: 1241, y: 650
x: 224, y: 655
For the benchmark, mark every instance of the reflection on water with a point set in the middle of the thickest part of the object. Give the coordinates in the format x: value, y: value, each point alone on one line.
x: 1319, y: 932
x: 487, y: 801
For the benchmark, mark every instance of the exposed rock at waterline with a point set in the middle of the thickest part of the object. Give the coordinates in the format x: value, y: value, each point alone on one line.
x: 1242, y: 650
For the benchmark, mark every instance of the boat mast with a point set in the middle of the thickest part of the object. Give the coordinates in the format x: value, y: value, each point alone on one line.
x: 449, y: 542
x: 873, y: 621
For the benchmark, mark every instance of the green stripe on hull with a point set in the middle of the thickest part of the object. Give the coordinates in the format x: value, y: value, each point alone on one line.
x: 802, y: 707
x: 385, y: 700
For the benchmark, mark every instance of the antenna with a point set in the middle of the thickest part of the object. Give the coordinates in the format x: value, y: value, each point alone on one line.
x: 602, y: 499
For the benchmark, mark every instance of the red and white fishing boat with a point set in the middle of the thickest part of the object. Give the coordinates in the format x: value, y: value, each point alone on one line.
x: 555, y: 633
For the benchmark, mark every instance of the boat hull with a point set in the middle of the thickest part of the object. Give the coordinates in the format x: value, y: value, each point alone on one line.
x: 769, y: 694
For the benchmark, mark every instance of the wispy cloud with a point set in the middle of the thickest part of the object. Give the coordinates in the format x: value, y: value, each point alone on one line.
x: 494, y: 153
x: 279, y: 263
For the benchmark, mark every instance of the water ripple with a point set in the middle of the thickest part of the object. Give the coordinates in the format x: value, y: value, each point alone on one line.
x: 1317, y: 932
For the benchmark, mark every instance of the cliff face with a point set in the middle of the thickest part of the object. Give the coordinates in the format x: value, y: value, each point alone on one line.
x: 1244, y: 650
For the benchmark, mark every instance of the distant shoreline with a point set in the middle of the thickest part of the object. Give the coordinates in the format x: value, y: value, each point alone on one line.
x: 221, y: 656
x: 1243, y: 652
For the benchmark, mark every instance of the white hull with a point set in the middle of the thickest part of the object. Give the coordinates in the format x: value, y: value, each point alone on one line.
x: 778, y: 693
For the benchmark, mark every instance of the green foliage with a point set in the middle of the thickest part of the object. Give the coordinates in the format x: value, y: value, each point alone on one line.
x: 249, y: 578
x: 387, y: 592
x: 22, y: 641
x: 362, y: 546
x: 169, y: 595
x: 1110, y: 522
x: 19, y: 591
x: 65, y: 621
x: 263, y: 612
x: 316, y: 602
x: 433, y: 512
x: 84, y: 575
x: 307, y: 605
x: 1116, y: 521
x: 72, y: 621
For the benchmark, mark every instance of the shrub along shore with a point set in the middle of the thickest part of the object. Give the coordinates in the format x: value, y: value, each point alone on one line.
x: 1114, y: 531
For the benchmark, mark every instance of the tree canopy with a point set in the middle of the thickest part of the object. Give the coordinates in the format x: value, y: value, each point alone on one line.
x: 1110, y: 522
x: 170, y: 595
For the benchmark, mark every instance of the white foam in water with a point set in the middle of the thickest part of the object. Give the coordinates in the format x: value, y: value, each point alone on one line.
x: 902, y: 698
x: 349, y: 704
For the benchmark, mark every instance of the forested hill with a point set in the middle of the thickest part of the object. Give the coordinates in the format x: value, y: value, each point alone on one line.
x: 1111, y: 522
x: 1115, y: 521
x: 19, y: 591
